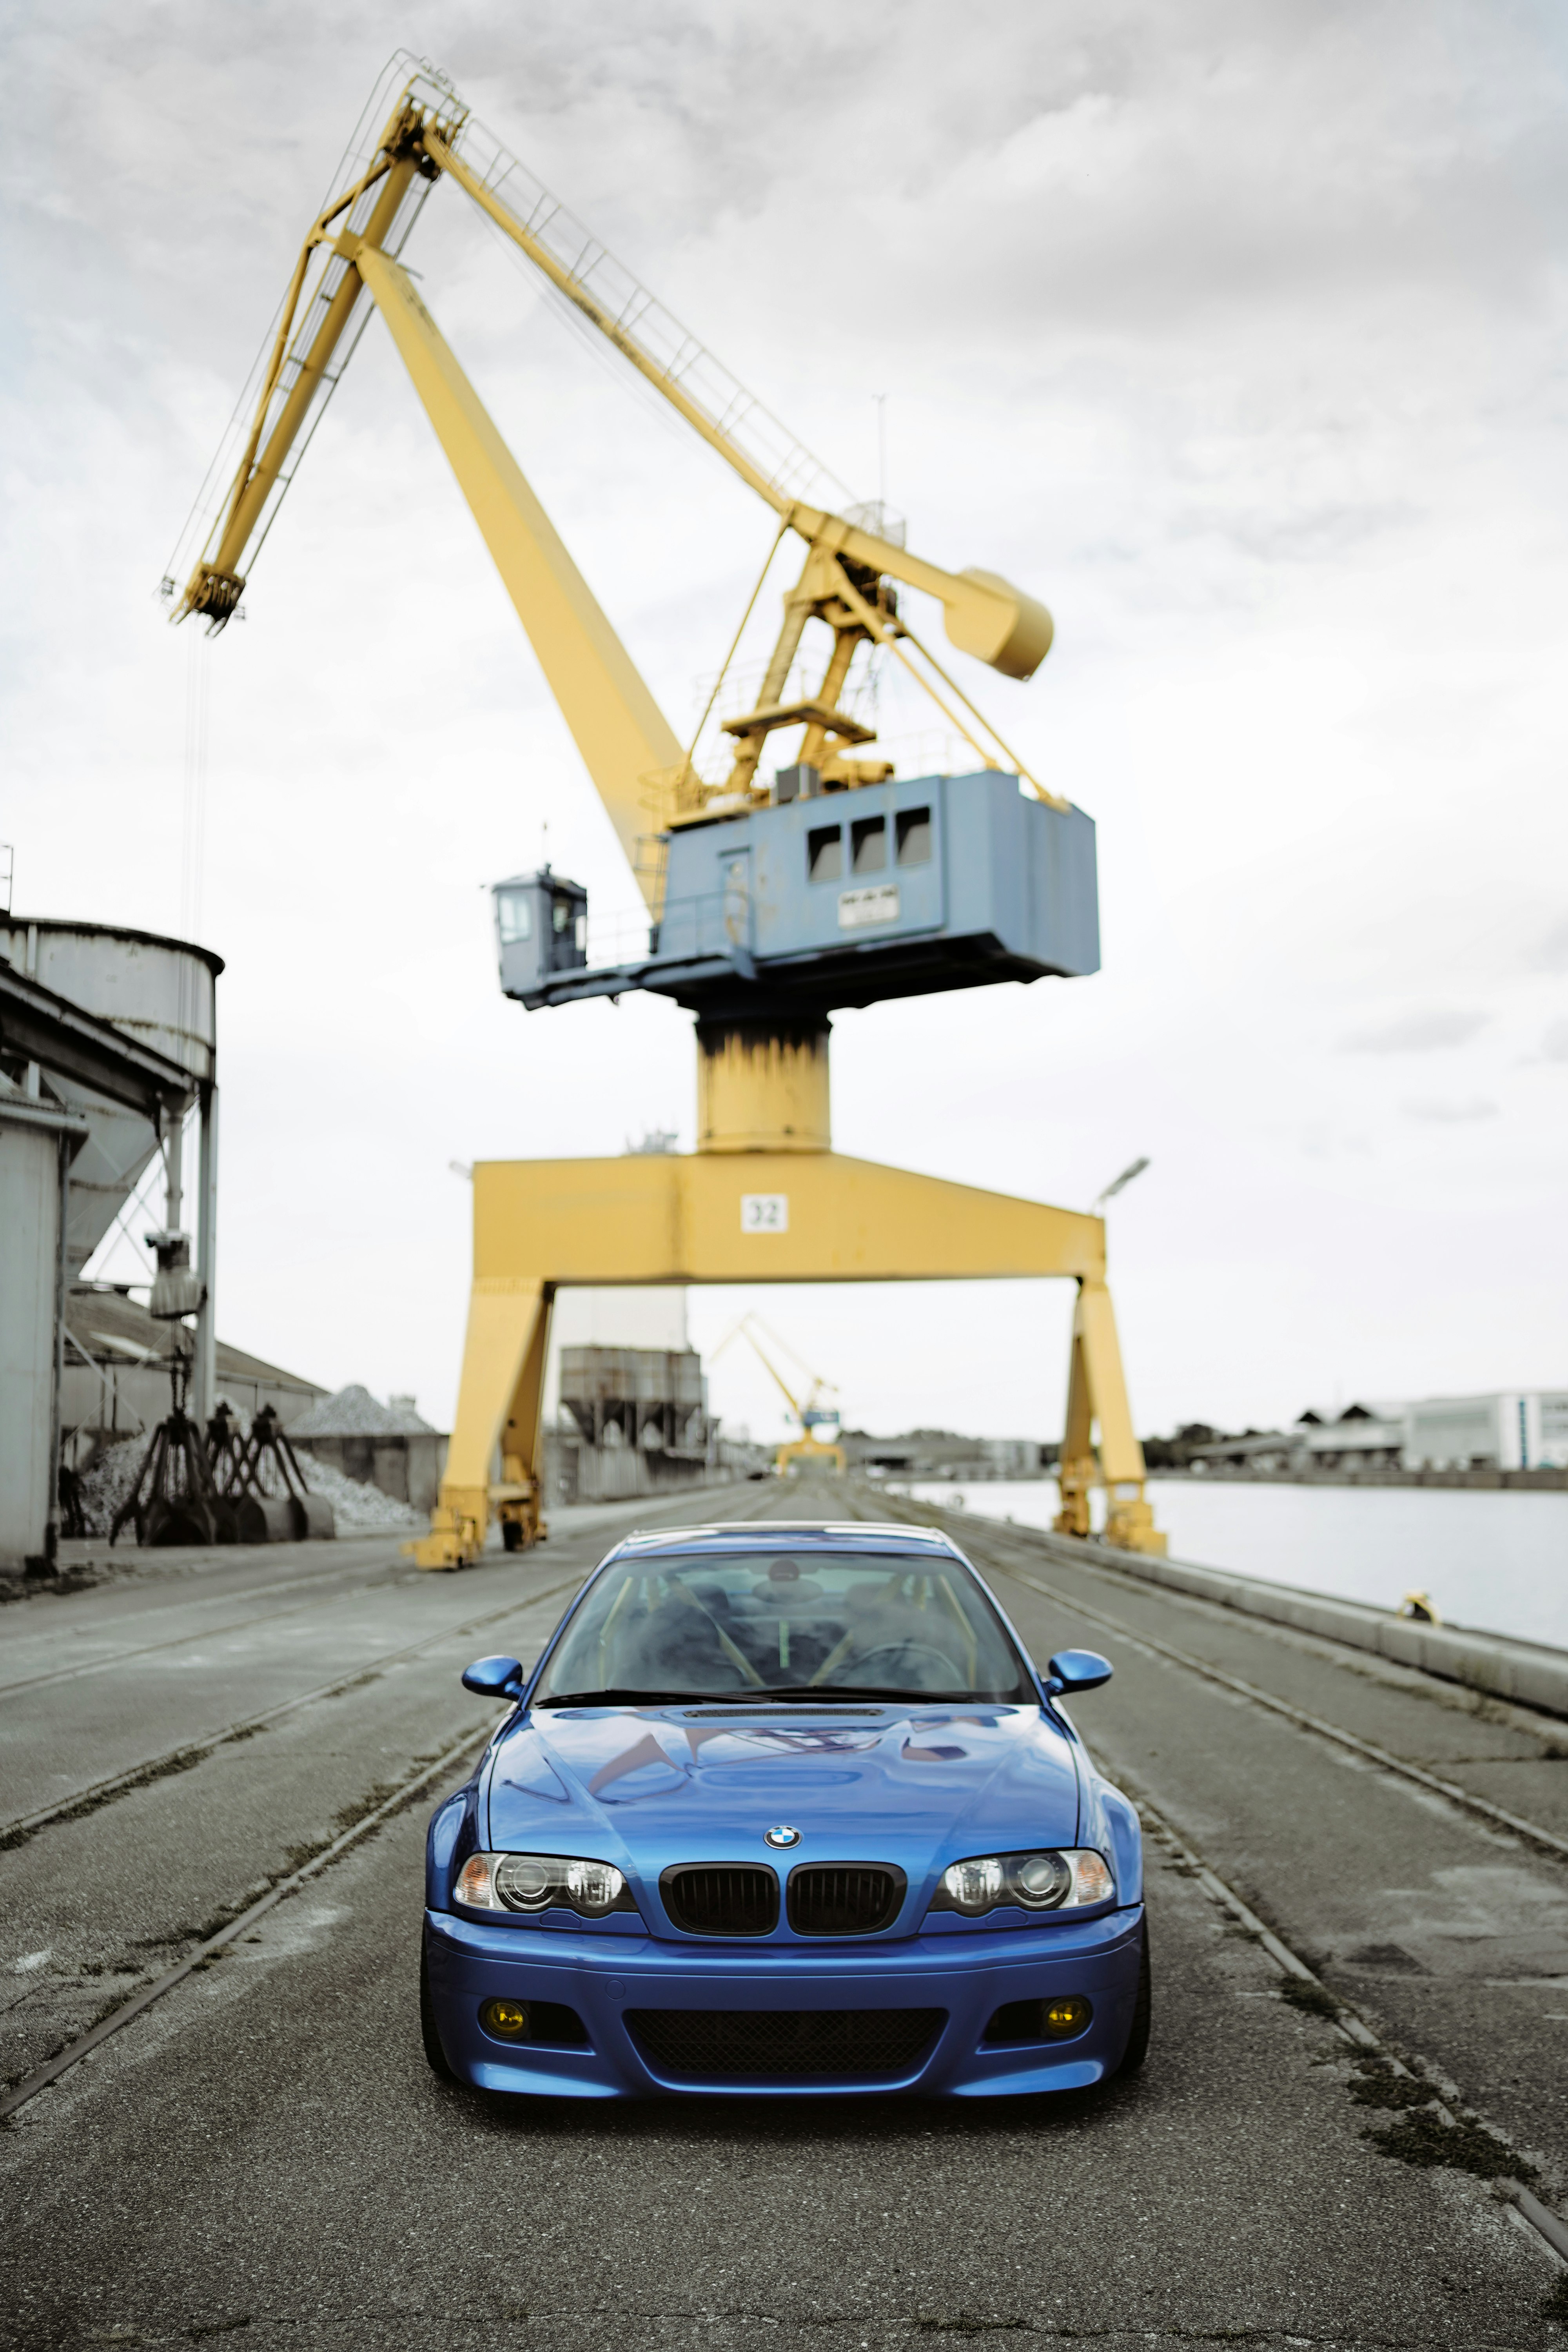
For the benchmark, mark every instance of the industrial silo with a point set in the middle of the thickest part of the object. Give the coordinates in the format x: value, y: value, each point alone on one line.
x: 108, y: 1037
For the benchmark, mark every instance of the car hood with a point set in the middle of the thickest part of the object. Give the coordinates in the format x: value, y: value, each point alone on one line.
x: 919, y: 1786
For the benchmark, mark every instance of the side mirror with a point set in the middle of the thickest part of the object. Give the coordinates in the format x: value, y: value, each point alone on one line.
x: 1070, y: 1671
x: 502, y: 1677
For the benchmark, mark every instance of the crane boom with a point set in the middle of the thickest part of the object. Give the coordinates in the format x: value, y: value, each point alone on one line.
x: 255, y: 481
x: 768, y: 1365
x: 804, y: 1415
x: 618, y: 727
x: 381, y: 206
x: 984, y: 614
x: 743, y: 1330
x: 808, y: 1417
x: 643, y: 776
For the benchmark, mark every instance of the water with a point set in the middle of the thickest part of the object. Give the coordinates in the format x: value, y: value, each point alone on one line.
x: 1497, y: 1562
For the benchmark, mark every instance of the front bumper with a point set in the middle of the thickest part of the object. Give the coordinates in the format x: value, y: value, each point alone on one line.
x: 967, y: 1977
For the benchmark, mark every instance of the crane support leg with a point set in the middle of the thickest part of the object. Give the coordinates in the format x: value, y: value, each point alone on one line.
x: 740, y: 1217
x: 1096, y: 1392
x: 499, y: 1398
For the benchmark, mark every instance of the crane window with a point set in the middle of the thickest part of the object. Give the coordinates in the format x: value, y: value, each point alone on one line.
x: 514, y: 916
x: 868, y: 837
x: 824, y: 853
x: 913, y: 830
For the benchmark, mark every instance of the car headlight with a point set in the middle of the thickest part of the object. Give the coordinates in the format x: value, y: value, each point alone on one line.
x: 540, y: 1882
x: 1049, y: 1881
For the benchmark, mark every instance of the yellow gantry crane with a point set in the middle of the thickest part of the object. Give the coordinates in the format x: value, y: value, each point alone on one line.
x: 809, y: 1451
x: 775, y: 897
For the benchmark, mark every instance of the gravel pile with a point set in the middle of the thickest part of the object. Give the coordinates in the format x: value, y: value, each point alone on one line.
x: 358, y: 1510
x: 107, y: 1480
x: 354, y: 1412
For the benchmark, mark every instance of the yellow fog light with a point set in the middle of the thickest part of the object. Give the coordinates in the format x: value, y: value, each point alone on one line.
x: 1063, y: 2018
x: 508, y: 2019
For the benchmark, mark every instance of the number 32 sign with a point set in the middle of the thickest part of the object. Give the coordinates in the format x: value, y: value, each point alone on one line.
x: 765, y: 1212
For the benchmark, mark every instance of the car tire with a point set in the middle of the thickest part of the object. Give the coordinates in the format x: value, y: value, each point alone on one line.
x: 428, y: 2033
x: 1137, y: 2048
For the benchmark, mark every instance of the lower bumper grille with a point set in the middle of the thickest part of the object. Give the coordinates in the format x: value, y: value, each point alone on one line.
x: 717, y: 2042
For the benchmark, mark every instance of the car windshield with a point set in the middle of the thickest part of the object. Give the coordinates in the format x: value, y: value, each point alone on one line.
x: 781, y: 1625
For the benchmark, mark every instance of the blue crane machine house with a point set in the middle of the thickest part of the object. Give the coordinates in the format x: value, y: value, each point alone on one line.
x: 839, y: 898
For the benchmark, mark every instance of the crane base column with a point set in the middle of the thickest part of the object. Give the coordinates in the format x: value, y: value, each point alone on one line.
x: 496, y: 1427
x: 1096, y: 1400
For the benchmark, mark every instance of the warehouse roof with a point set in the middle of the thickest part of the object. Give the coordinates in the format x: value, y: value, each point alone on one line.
x: 112, y: 1327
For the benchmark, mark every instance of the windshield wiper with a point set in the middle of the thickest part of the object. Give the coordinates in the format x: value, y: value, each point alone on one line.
x: 798, y: 1694
x: 623, y: 1698
x: 830, y: 1694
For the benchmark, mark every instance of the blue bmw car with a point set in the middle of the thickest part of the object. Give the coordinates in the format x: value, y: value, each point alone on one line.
x: 785, y: 1809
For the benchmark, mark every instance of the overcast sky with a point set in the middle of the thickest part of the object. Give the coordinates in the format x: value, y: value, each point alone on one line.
x: 1234, y: 332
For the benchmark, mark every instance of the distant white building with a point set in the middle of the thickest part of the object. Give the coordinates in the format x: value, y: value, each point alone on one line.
x: 1510, y: 1429
x: 1517, y: 1429
x: 1012, y: 1457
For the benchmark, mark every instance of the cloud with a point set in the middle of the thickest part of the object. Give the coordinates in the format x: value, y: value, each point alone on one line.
x: 1234, y: 330
x: 1427, y: 1030
x: 1554, y: 1044
x: 1452, y: 1114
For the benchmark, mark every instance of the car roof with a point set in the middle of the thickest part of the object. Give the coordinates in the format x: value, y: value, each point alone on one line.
x: 801, y: 1535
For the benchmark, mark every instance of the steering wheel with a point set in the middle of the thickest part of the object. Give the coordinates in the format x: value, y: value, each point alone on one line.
x: 902, y: 1652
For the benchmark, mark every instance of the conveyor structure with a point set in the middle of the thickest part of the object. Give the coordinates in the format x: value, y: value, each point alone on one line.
x: 774, y: 897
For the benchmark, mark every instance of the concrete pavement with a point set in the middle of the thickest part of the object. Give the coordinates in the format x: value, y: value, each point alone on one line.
x: 264, y: 2153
